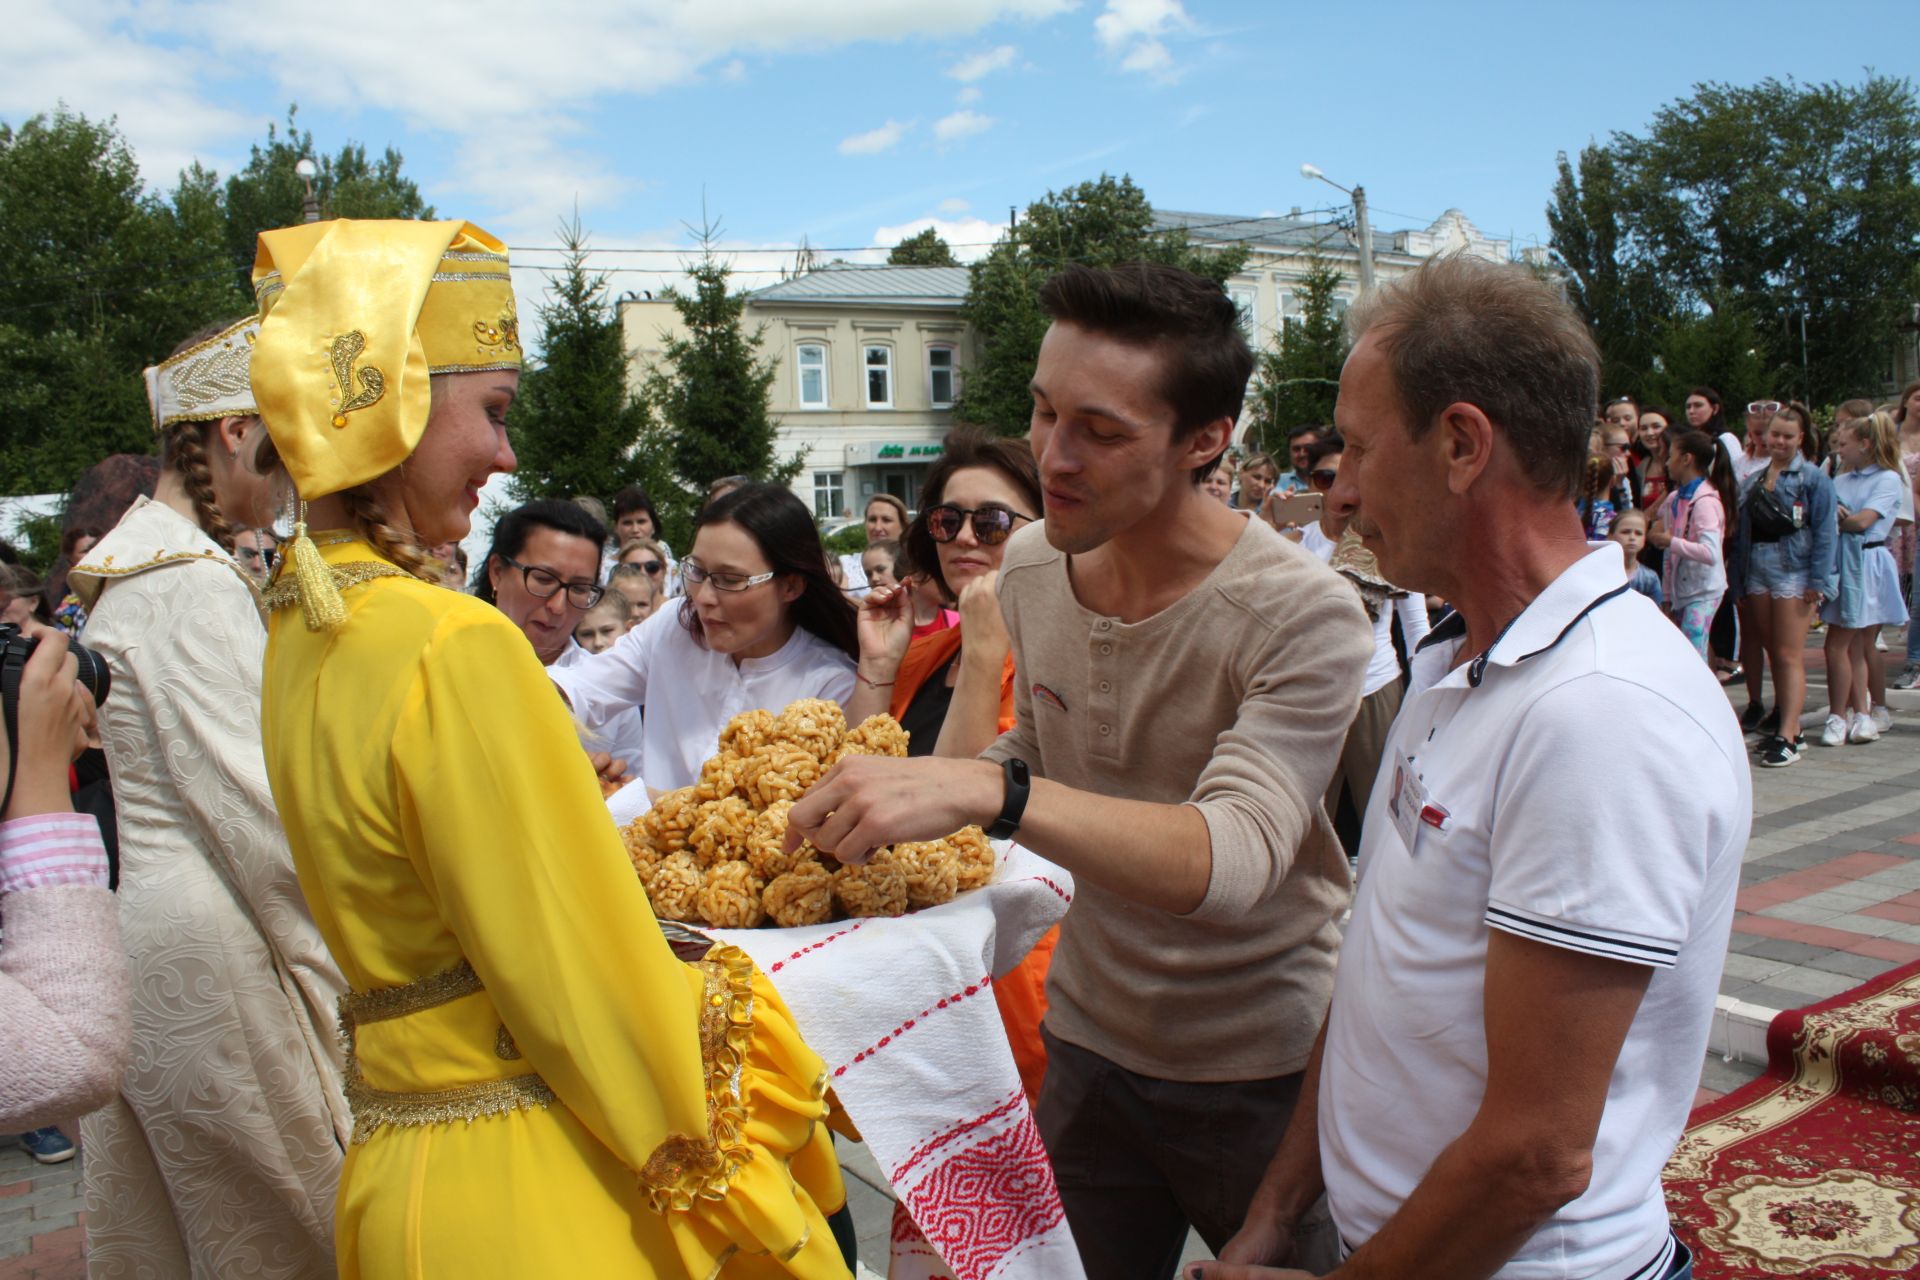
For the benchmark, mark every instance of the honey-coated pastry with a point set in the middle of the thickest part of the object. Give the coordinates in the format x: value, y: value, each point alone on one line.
x: 973, y: 853
x: 670, y: 822
x: 816, y: 724
x: 764, y: 853
x: 803, y: 895
x: 720, y: 831
x: 781, y: 771
x: 871, y: 890
x: 746, y: 733
x: 877, y: 735
x: 729, y: 898
x: 675, y: 884
x: 931, y: 870
x: 640, y: 850
x: 720, y: 777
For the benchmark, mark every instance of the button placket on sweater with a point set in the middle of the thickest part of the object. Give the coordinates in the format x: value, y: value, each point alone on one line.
x: 1103, y: 713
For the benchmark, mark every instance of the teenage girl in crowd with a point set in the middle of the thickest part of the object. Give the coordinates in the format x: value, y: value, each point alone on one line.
x: 1692, y: 532
x: 1702, y: 412
x: 1597, y: 507
x: 1788, y: 526
x: 881, y: 563
x: 1630, y: 531
x: 761, y: 625
x: 952, y: 690
x: 886, y: 520
x: 1650, y: 461
x: 1867, y: 492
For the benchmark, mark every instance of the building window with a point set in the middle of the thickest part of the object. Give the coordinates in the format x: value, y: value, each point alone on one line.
x: 940, y: 384
x: 1246, y: 301
x: 879, y: 377
x: 829, y: 494
x: 811, y: 358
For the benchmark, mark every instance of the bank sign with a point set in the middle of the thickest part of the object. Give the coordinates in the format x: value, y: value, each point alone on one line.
x: 893, y: 451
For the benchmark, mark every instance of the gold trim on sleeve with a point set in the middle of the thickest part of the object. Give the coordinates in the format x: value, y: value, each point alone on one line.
x: 684, y: 1168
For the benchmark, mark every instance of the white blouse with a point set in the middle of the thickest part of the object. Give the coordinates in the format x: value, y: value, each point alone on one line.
x: 688, y: 693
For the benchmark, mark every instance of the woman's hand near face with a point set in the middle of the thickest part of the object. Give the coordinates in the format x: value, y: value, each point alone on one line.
x: 885, y: 628
x: 982, y: 626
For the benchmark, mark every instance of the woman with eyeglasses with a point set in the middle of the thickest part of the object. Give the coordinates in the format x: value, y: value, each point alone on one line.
x: 761, y: 625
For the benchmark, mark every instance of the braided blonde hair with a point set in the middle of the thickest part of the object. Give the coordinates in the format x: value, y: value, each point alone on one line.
x: 369, y: 515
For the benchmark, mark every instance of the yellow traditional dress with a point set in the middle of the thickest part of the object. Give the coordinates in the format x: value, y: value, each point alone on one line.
x: 539, y: 1086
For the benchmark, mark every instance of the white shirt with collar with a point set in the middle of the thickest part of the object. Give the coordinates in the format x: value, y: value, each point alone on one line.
x: 622, y: 735
x: 688, y: 692
x: 1499, y: 807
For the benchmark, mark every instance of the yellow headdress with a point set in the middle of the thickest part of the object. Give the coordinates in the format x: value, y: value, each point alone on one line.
x: 355, y: 317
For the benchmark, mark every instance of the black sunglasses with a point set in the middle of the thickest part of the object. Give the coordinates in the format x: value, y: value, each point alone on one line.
x: 991, y: 523
x: 1323, y: 479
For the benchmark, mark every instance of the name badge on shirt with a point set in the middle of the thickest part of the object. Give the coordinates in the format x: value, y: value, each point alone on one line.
x: 1410, y: 806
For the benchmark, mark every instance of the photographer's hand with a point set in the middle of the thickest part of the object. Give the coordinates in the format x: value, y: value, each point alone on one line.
x: 54, y: 717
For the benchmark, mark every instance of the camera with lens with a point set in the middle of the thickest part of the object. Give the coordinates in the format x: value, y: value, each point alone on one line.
x: 16, y: 646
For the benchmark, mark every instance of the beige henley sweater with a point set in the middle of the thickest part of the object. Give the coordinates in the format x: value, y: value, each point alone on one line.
x: 1236, y: 700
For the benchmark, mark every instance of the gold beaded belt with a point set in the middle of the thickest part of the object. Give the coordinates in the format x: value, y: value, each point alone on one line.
x: 373, y: 1108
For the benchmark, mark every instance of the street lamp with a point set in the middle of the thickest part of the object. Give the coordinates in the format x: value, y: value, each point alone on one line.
x: 310, y: 205
x: 1362, y: 228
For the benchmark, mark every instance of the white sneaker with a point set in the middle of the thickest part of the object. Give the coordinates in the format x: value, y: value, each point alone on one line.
x: 1862, y: 729
x: 1835, y: 734
x: 1879, y: 642
x: 1882, y: 718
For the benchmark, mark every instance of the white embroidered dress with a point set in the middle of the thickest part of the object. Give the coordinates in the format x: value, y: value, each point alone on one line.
x: 222, y: 1153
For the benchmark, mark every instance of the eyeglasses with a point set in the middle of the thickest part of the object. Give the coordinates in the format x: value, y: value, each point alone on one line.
x: 1759, y: 407
x: 651, y: 566
x: 992, y: 523
x: 696, y: 573
x: 545, y: 584
x: 1324, y: 478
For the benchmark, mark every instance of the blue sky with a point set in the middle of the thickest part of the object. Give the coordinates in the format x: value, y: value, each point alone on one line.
x: 853, y: 122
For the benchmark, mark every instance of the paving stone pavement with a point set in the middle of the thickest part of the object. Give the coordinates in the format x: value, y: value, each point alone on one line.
x: 1830, y: 897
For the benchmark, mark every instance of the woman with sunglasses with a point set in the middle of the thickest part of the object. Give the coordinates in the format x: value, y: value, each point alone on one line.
x: 761, y: 625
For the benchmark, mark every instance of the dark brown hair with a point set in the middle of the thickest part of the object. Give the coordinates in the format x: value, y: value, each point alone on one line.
x: 968, y: 447
x: 783, y: 529
x: 1187, y: 319
x: 1464, y: 330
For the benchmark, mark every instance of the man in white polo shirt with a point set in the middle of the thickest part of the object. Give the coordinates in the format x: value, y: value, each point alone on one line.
x: 1525, y: 988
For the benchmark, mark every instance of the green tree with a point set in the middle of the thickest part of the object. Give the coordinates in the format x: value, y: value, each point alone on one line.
x: 926, y: 249
x: 711, y: 386
x: 268, y: 193
x: 101, y: 279
x: 1801, y: 202
x: 577, y: 427
x: 1297, y: 379
x: 1622, y: 297
x: 1099, y: 223
x: 1718, y: 345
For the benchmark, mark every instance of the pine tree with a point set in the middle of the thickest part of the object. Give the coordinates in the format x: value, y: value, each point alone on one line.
x: 577, y: 426
x: 711, y: 387
x: 1297, y: 380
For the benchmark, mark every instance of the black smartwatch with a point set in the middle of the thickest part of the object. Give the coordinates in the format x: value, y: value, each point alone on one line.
x: 1019, y: 787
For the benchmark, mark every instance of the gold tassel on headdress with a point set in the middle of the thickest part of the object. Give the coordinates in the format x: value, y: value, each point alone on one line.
x: 319, y: 599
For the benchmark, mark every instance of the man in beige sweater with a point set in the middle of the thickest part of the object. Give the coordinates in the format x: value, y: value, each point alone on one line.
x: 1186, y: 677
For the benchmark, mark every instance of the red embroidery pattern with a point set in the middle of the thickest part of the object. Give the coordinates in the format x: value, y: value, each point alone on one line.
x: 988, y: 1201
x: 973, y: 989
x: 778, y: 965
x: 1064, y: 895
x: 955, y: 1131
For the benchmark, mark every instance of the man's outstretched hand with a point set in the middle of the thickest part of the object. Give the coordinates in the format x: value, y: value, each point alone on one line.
x: 869, y: 802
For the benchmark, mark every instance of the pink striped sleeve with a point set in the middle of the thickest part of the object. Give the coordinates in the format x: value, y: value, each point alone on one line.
x: 51, y: 849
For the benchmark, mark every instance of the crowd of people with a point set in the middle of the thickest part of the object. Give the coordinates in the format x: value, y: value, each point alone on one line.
x: 1340, y: 987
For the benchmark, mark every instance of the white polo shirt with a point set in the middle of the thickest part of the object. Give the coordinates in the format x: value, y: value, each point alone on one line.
x: 689, y: 693
x: 1584, y: 785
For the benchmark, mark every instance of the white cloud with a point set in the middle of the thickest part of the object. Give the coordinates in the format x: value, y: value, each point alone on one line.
x: 968, y: 96
x: 874, y: 141
x: 961, y: 124
x: 970, y: 238
x: 1132, y: 31
x: 953, y: 204
x: 981, y: 65
x: 734, y: 72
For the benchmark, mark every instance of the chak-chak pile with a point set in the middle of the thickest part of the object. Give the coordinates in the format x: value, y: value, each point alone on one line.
x: 711, y: 853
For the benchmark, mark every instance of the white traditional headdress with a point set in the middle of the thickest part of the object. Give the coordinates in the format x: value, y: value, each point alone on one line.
x: 207, y: 381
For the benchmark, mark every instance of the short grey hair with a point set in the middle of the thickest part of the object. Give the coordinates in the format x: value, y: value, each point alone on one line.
x: 1464, y: 330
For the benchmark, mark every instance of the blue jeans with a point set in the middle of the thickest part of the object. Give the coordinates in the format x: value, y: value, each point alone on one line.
x: 1913, y: 620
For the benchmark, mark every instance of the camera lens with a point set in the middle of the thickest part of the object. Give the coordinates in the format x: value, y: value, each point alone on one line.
x: 92, y: 671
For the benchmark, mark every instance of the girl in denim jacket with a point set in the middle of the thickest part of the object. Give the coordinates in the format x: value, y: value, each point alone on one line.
x: 1692, y: 531
x: 1787, y: 575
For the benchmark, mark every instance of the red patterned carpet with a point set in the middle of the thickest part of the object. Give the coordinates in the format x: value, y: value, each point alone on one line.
x: 1814, y: 1168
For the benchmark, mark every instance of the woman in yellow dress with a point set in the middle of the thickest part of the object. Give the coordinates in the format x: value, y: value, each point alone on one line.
x: 538, y: 1086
